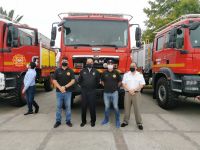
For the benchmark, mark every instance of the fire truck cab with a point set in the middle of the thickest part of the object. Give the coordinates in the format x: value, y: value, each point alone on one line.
x: 20, y: 45
x: 176, y: 60
x: 98, y: 36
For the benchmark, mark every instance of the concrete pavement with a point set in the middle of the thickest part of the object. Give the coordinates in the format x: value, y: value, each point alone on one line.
x: 163, y: 130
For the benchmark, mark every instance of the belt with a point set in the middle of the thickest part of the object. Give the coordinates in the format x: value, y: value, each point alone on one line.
x: 135, y: 91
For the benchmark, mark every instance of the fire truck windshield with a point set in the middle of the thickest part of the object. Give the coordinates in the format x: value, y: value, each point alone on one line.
x: 195, y: 38
x: 96, y: 33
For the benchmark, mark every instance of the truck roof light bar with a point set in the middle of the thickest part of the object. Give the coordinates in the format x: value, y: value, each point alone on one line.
x: 178, y: 19
x: 95, y: 14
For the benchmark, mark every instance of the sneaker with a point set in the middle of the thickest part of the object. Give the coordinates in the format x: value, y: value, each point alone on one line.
x: 37, y: 109
x: 57, y: 124
x: 28, y: 113
x: 82, y: 124
x: 124, y: 124
x: 105, y: 121
x: 140, y: 126
x: 69, y: 124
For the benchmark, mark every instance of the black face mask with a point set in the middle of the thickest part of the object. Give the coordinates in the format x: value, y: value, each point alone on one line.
x: 64, y: 64
x: 89, y: 66
x: 132, y: 69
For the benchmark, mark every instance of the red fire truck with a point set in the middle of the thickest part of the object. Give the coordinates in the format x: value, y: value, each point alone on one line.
x: 99, y: 36
x: 19, y: 45
x: 175, y: 63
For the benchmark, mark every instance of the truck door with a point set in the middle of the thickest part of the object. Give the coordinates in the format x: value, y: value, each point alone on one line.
x: 20, y: 48
x: 158, y: 57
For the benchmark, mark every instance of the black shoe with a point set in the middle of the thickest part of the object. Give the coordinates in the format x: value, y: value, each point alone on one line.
x: 82, y: 124
x: 56, y: 124
x: 92, y: 124
x: 124, y: 124
x: 28, y: 113
x: 69, y: 124
x: 140, y: 126
x: 37, y: 109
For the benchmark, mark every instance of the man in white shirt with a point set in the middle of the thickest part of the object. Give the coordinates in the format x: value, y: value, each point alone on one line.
x: 133, y: 82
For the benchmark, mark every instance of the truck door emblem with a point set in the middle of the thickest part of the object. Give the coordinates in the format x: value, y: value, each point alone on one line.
x: 19, y: 60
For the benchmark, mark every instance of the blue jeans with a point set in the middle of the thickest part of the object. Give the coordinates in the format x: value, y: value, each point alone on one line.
x: 30, y: 93
x: 66, y: 99
x: 111, y: 98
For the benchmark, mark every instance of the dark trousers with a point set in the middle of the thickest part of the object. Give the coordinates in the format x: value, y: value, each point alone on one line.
x: 88, y: 99
x: 30, y: 93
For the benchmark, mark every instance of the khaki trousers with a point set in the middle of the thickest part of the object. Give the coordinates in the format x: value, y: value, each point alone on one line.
x: 128, y: 102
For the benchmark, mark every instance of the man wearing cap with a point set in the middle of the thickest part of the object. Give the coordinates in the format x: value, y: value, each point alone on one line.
x: 111, y: 80
x: 133, y: 82
x: 88, y: 79
x: 63, y: 80
x: 29, y: 88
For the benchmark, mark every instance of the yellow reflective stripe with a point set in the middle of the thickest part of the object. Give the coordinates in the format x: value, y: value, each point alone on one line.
x: 8, y: 63
x: 170, y: 65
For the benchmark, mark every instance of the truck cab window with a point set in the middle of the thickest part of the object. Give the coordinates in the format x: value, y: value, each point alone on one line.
x: 26, y: 37
x: 160, y: 43
x: 167, y: 45
x: 9, y: 38
x: 180, y: 39
x: 195, y: 38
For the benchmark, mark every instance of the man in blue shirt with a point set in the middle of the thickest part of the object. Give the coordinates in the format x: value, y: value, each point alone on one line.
x: 29, y: 88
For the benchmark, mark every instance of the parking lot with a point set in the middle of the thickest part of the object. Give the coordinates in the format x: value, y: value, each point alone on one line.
x: 163, y: 130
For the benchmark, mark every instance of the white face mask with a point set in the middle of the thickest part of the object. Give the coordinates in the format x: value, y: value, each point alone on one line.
x: 110, y: 67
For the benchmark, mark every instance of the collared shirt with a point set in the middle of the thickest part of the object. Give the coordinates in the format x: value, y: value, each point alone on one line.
x: 63, y: 77
x: 133, y: 81
x: 111, y: 81
x: 29, y: 79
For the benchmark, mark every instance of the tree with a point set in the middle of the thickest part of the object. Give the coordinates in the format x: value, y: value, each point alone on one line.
x: 10, y: 15
x: 162, y: 12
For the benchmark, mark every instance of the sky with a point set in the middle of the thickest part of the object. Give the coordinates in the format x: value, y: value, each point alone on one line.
x: 41, y: 14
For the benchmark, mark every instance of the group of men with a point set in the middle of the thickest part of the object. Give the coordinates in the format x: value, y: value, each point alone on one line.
x: 89, y: 79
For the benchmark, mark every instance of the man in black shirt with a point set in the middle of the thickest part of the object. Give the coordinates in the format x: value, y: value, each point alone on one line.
x: 63, y: 80
x: 89, y: 79
x: 111, y: 80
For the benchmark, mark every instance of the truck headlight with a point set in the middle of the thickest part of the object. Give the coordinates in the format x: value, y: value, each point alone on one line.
x: 2, y: 81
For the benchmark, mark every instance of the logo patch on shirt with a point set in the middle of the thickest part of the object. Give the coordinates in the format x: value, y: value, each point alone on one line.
x: 84, y: 72
x: 68, y: 73
x: 93, y: 73
x: 114, y: 76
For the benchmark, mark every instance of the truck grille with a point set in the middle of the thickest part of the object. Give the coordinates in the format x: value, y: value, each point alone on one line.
x: 99, y: 61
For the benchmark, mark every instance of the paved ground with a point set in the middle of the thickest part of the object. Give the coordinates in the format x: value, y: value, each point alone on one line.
x: 163, y: 130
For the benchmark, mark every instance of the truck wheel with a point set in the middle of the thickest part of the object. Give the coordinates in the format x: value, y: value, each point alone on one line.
x: 164, y: 95
x: 19, y: 98
x: 48, y: 85
x: 121, y: 100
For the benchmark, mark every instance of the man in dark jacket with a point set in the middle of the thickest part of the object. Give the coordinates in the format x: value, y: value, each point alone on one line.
x: 89, y: 79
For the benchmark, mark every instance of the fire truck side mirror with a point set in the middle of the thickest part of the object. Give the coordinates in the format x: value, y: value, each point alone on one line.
x: 53, y: 35
x: 138, y: 34
x: 138, y: 44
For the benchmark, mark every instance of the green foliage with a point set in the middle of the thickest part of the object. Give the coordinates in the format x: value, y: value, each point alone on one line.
x: 10, y: 15
x: 162, y: 12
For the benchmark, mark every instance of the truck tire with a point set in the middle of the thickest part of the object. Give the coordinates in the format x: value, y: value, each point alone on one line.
x: 164, y: 95
x: 48, y: 85
x: 121, y: 100
x: 19, y: 98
